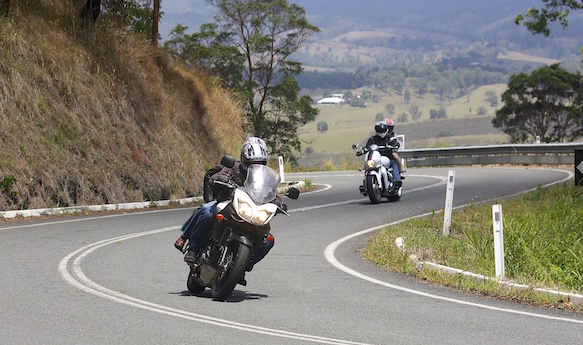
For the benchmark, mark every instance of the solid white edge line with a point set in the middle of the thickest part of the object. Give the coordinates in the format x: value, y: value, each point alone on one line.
x: 331, y: 248
x: 83, y: 283
x: 442, y: 181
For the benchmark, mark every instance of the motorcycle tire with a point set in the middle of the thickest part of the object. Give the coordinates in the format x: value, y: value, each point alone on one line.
x: 226, y: 282
x: 373, y: 189
x: 193, y: 286
x: 397, y: 195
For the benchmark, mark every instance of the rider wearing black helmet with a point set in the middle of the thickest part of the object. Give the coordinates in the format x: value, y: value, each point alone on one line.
x: 384, y: 136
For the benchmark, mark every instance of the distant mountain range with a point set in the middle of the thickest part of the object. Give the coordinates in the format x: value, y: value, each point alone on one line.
x: 458, y: 17
x: 419, y: 23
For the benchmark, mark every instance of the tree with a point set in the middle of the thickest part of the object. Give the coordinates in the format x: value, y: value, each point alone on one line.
x: 420, y: 85
x: 390, y: 107
x: 415, y: 112
x: 482, y: 110
x: 210, y: 51
x: 407, y: 96
x: 155, y: 21
x: 537, y: 20
x: 265, y: 34
x: 379, y: 117
x: 491, y: 97
x: 322, y: 126
x: 437, y: 114
x: 547, y: 103
x: 141, y: 16
x: 88, y: 9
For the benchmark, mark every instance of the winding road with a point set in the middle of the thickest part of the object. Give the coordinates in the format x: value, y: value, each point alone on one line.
x: 117, y: 279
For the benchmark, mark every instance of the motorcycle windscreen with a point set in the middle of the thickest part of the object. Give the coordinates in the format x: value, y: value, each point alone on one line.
x: 261, y: 183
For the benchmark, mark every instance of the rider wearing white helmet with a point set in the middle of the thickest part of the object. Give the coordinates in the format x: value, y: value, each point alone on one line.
x: 196, y: 229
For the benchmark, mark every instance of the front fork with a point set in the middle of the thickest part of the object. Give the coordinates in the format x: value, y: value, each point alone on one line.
x: 241, y: 240
x: 382, y: 179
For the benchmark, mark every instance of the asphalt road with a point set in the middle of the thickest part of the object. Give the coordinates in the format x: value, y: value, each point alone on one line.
x: 117, y: 279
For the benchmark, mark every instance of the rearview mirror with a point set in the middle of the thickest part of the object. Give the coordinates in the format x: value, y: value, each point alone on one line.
x: 228, y: 161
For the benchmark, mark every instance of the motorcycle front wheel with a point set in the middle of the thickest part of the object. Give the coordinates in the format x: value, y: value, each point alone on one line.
x: 234, y: 270
x: 373, y: 189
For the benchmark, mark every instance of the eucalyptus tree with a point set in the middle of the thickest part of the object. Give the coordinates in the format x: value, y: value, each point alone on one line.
x: 249, y: 45
x: 547, y: 103
x: 537, y: 20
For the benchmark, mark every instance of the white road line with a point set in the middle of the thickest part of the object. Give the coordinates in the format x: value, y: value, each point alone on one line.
x: 330, y: 257
x: 442, y: 181
x: 326, y: 187
x: 79, y: 280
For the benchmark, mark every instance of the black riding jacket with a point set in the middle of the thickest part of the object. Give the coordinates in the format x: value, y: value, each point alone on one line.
x: 389, y: 140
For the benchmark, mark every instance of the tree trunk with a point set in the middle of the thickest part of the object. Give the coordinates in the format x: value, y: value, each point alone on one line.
x: 4, y: 8
x: 90, y: 10
x: 155, y: 21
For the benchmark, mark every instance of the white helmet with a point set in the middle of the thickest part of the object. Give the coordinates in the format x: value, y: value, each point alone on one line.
x: 254, y: 151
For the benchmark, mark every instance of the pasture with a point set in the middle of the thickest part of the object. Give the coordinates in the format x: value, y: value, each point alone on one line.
x: 348, y: 125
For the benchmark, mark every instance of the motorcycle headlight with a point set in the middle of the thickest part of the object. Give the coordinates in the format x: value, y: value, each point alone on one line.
x: 248, y: 211
x: 245, y: 210
x: 261, y: 216
x: 371, y: 163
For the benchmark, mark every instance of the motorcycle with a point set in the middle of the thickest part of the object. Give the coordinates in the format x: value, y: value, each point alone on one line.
x: 378, y: 179
x: 241, y: 225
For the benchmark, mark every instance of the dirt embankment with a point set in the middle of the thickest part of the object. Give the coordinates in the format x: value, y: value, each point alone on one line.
x: 96, y: 115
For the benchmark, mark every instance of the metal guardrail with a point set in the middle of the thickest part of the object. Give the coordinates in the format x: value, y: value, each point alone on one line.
x: 519, y: 154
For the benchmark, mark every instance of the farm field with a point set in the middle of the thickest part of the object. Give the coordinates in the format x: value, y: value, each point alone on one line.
x: 348, y: 125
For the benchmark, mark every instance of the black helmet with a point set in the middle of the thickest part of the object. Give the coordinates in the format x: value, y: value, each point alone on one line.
x: 381, y: 128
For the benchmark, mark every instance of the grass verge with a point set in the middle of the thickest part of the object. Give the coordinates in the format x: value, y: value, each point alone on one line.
x: 543, y: 246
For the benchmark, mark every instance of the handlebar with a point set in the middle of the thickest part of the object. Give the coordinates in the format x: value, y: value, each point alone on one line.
x: 230, y: 184
x: 367, y: 148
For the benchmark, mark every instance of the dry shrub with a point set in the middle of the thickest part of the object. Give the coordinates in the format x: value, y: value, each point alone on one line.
x: 96, y: 115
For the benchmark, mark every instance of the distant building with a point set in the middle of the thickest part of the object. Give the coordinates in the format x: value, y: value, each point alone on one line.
x: 334, y: 100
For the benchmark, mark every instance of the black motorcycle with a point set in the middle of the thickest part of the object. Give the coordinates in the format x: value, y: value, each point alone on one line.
x: 241, y: 225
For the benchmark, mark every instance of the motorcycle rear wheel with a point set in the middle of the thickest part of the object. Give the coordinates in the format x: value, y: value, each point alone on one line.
x: 225, y: 283
x: 397, y: 195
x: 373, y: 189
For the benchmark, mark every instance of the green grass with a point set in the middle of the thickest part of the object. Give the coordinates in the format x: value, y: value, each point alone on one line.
x: 543, y: 245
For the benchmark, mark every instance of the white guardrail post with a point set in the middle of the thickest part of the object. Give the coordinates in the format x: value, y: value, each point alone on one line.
x: 401, y: 140
x: 281, y: 169
x: 448, y: 202
x: 498, y: 241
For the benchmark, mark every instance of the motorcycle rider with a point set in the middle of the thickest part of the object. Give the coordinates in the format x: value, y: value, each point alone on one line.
x: 384, y: 136
x: 197, y: 228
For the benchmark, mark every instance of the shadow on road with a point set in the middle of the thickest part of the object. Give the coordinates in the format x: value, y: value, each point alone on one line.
x: 236, y: 296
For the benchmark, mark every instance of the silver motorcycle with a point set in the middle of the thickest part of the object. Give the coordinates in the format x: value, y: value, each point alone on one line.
x: 378, y: 179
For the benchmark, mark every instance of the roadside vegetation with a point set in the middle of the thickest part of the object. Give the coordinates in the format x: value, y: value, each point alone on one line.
x: 543, y: 245
x: 97, y: 115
